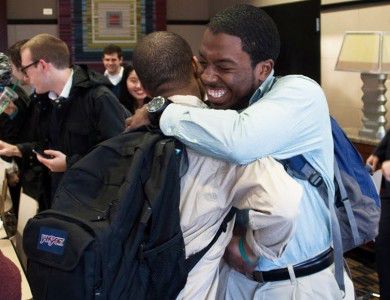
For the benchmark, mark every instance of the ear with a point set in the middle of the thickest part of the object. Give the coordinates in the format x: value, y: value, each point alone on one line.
x: 44, y: 64
x: 198, y: 69
x: 263, y: 69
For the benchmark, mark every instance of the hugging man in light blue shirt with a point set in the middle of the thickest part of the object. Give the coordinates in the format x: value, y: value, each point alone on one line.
x: 285, y: 117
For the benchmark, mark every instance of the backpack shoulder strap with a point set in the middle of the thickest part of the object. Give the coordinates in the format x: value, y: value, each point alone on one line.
x: 195, y: 258
x: 347, y: 205
x: 299, y: 167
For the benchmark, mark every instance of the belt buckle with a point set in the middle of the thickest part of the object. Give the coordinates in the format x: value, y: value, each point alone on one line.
x: 258, y: 276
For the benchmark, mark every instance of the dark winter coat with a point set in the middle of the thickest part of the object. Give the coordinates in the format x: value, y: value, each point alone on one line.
x: 34, y: 176
x: 383, y: 153
x: 89, y: 116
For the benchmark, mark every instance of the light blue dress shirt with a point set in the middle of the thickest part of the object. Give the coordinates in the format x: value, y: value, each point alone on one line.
x: 288, y: 119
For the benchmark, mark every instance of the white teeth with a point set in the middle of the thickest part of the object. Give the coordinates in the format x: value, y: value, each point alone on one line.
x: 216, y: 93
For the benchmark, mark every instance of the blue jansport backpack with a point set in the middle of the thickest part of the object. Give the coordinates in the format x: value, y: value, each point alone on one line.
x: 355, y: 211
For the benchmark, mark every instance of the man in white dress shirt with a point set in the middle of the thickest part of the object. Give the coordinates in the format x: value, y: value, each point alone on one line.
x: 166, y: 67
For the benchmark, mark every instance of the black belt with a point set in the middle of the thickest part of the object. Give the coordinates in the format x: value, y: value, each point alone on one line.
x: 308, y: 267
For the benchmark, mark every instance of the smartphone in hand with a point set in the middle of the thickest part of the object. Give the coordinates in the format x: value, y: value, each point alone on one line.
x: 41, y: 153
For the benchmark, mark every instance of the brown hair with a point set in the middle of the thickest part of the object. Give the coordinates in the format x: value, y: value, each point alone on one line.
x: 50, y: 49
x: 13, y: 53
x: 111, y: 49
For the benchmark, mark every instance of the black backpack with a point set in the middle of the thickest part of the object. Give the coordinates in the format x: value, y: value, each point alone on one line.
x: 114, y: 228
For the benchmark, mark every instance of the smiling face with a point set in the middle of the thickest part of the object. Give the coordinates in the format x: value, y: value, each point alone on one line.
x: 228, y: 75
x: 134, y: 86
x: 112, y: 63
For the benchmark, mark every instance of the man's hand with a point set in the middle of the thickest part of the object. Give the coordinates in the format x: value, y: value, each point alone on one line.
x: 234, y: 258
x: 386, y: 169
x: 139, y: 119
x: 372, y: 161
x: 55, y: 164
x: 11, y: 108
x: 9, y: 150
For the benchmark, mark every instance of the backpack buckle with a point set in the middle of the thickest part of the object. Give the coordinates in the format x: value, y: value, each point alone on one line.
x: 315, y: 179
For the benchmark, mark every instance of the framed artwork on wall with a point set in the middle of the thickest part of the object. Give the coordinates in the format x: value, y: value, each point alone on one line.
x: 89, y: 25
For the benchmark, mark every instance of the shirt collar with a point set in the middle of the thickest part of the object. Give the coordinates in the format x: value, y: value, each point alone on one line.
x: 263, y: 88
x: 189, y: 100
x: 65, y: 91
x: 116, y: 78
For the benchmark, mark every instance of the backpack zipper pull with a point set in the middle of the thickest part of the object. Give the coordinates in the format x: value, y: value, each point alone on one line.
x: 104, y: 216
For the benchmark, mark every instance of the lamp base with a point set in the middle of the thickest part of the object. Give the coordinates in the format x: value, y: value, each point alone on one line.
x: 374, y: 109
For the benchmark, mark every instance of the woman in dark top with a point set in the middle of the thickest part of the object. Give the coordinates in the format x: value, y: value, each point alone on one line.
x: 132, y: 95
x: 381, y: 159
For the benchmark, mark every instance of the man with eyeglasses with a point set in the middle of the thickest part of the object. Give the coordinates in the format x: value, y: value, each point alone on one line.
x: 34, y: 177
x: 85, y: 111
x: 24, y: 69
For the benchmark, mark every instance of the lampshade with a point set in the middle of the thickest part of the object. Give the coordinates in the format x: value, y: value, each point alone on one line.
x: 368, y: 52
x: 365, y: 52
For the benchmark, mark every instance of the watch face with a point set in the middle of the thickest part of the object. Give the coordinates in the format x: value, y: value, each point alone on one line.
x: 156, y: 104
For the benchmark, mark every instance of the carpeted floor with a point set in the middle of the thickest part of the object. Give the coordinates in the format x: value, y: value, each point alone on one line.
x: 361, y: 262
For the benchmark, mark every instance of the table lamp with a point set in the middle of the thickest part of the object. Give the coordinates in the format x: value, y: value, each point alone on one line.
x: 368, y: 52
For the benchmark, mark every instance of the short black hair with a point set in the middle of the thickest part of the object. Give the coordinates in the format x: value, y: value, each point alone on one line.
x: 13, y: 53
x: 162, y: 57
x: 111, y: 49
x: 256, y: 29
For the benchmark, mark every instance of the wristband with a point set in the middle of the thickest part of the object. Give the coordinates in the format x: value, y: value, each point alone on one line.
x: 244, y: 256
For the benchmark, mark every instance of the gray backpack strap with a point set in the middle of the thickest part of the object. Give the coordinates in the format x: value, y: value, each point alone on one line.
x: 347, y: 205
x: 337, y: 244
x: 310, y: 173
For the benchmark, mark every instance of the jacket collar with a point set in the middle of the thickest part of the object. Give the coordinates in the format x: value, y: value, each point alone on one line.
x: 263, y: 88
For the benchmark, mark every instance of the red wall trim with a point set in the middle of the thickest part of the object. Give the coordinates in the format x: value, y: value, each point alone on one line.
x: 3, y: 25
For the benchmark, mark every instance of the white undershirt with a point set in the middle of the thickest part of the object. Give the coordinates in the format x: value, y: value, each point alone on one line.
x: 114, y: 78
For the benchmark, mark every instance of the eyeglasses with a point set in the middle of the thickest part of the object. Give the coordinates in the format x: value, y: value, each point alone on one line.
x: 23, y: 69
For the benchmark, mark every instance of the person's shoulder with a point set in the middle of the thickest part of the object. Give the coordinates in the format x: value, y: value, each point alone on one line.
x: 298, y: 84
x: 84, y: 77
x: 298, y: 79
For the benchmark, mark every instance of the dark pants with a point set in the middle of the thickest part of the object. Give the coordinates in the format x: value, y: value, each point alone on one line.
x: 15, y: 196
x: 382, y: 245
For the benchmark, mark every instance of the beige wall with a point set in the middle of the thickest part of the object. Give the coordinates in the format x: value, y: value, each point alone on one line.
x: 271, y: 2
x: 187, y: 10
x: 192, y: 33
x: 30, y: 10
x: 19, y: 32
x: 343, y: 89
x: 198, y: 10
x: 324, y: 2
x: 179, y: 10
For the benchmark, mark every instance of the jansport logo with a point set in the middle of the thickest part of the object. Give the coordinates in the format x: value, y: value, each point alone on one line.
x: 52, y: 240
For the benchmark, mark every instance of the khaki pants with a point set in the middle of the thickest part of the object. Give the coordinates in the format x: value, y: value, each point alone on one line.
x: 321, y: 285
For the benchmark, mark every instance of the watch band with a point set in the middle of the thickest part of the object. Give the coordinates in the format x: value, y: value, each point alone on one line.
x: 155, y: 116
